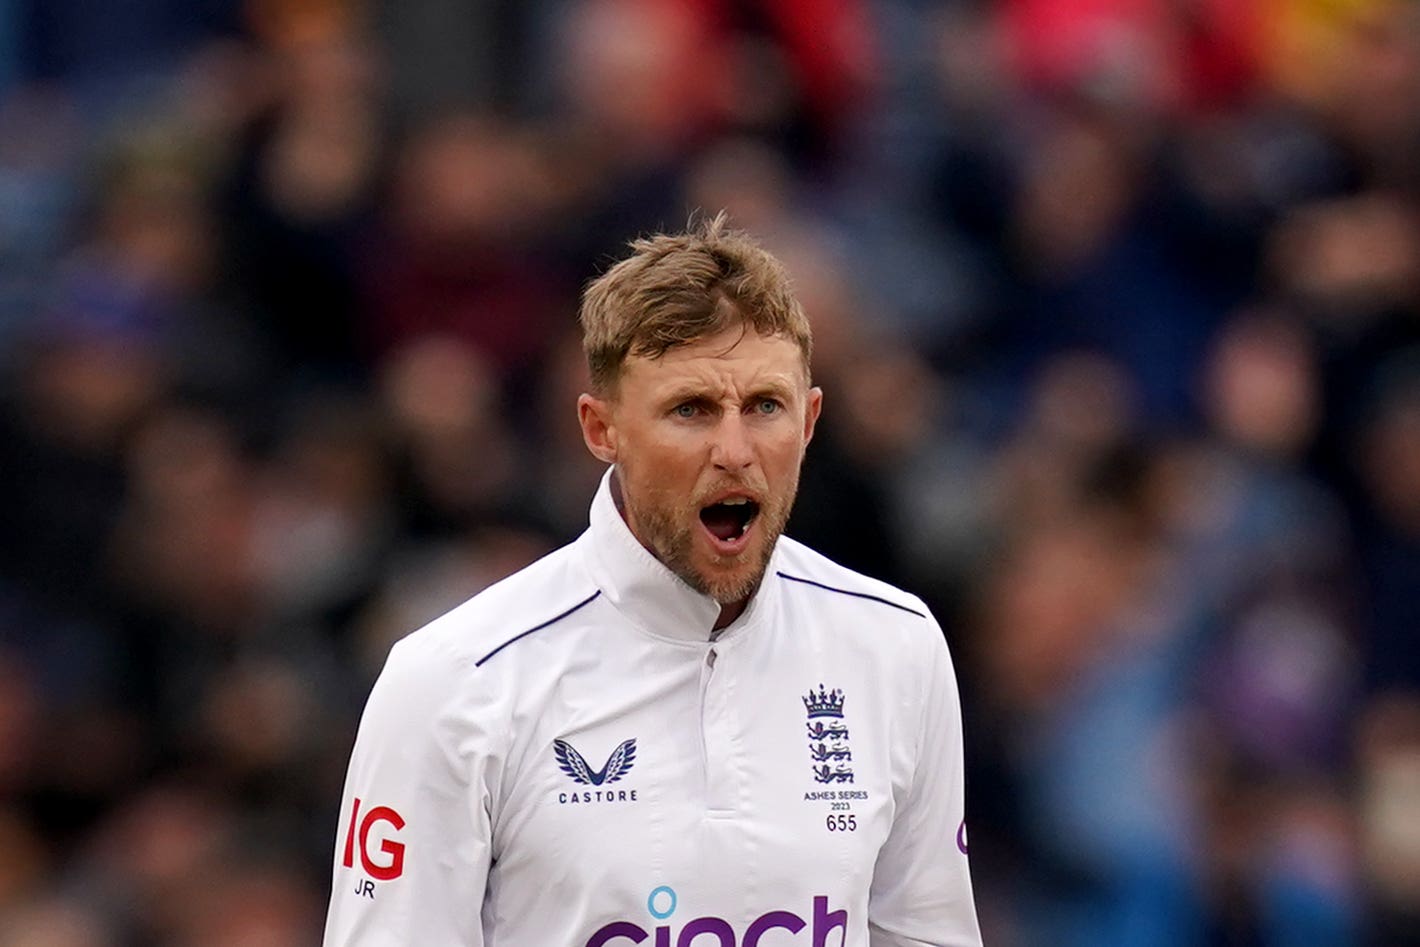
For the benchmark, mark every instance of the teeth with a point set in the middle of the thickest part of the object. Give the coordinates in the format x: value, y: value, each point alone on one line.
x: 735, y: 501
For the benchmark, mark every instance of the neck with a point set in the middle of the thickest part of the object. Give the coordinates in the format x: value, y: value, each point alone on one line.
x: 728, y: 613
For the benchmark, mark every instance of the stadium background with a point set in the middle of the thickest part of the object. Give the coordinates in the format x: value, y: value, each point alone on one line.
x: 1117, y: 305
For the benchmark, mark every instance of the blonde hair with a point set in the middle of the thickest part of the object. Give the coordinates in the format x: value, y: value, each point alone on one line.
x: 676, y: 289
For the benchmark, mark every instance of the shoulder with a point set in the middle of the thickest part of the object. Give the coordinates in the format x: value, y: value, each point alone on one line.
x: 433, y: 701
x: 864, y: 623
x: 531, y: 599
x: 820, y: 582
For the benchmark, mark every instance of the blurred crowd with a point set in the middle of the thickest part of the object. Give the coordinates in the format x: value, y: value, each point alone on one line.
x: 1117, y: 312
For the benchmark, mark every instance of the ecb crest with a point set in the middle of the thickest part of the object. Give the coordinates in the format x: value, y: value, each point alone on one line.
x: 828, y: 736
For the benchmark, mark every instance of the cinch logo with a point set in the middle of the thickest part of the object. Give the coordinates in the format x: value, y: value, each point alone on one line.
x: 393, y: 865
x: 662, y: 904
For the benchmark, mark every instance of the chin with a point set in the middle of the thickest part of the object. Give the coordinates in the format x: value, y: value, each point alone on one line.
x: 727, y: 590
x: 737, y: 583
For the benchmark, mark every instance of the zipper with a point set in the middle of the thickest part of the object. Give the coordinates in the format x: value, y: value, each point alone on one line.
x: 707, y: 670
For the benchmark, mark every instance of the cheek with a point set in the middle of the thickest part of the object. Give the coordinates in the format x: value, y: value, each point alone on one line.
x: 657, y: 468
x: 667, y: 448
x: 785, y: 455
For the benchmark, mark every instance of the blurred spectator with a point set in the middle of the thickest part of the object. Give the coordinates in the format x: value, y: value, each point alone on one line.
x: 56, y: 923
x: 99, y: 52
x: 451, y: 55
x: 1389, y: 751
x: 457, y: 256
x: 1117, y: 310
x: 300, y: 192
x: 1389, y: 459
x: 38, y: 129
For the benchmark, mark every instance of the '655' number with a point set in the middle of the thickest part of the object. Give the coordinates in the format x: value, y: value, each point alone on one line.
x: 842, y: 823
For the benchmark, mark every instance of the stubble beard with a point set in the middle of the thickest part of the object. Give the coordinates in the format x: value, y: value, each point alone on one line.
x: 670, y: 528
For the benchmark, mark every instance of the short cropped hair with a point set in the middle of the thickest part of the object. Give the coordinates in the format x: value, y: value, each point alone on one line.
x: 676, y: 289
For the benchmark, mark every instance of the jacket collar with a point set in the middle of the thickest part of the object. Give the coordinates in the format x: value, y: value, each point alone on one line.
x: 639, y: 586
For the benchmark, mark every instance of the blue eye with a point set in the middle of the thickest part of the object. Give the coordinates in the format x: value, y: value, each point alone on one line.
x: 686, y: 410
x: 769, y: 406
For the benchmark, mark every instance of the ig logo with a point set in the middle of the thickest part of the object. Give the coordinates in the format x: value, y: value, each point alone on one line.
x: 391, y: 865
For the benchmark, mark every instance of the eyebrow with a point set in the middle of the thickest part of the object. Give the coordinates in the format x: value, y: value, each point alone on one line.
x: 681, y: 394
x: 695, y: 393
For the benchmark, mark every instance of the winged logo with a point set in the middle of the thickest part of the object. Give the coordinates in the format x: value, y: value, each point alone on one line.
x: 573, y: 764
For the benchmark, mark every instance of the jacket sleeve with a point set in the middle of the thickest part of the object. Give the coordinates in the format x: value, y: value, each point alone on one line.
x: 921, y: 891
x: 414, y: 836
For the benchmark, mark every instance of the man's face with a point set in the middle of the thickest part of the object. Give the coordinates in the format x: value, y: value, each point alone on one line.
x: 707, y: 440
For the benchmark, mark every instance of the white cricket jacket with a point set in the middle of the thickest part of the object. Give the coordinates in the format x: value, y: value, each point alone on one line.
x: 568, y: 760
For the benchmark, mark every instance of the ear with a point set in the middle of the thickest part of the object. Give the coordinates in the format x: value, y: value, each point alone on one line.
x: 815, y: 405
x: 597, y: 418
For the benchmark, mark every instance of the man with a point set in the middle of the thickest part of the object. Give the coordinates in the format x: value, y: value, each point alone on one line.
x: 682, y: 730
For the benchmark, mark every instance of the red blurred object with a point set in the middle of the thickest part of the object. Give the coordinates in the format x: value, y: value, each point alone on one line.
x: 828, y: 45
x: 1198, y: 54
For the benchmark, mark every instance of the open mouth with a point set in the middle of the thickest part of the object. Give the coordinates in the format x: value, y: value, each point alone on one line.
x: 729, y: 519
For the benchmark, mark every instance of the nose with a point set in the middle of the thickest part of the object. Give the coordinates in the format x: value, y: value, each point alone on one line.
x: 731, y: 449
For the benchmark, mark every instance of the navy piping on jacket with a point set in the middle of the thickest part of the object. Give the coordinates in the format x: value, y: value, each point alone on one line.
x: 551, y: 621
x: 831, y: 588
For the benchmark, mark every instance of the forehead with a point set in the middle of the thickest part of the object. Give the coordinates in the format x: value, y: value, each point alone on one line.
x: 735, y: 357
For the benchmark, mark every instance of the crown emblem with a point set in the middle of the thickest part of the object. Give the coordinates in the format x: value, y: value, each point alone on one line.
x: 824, y: 703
